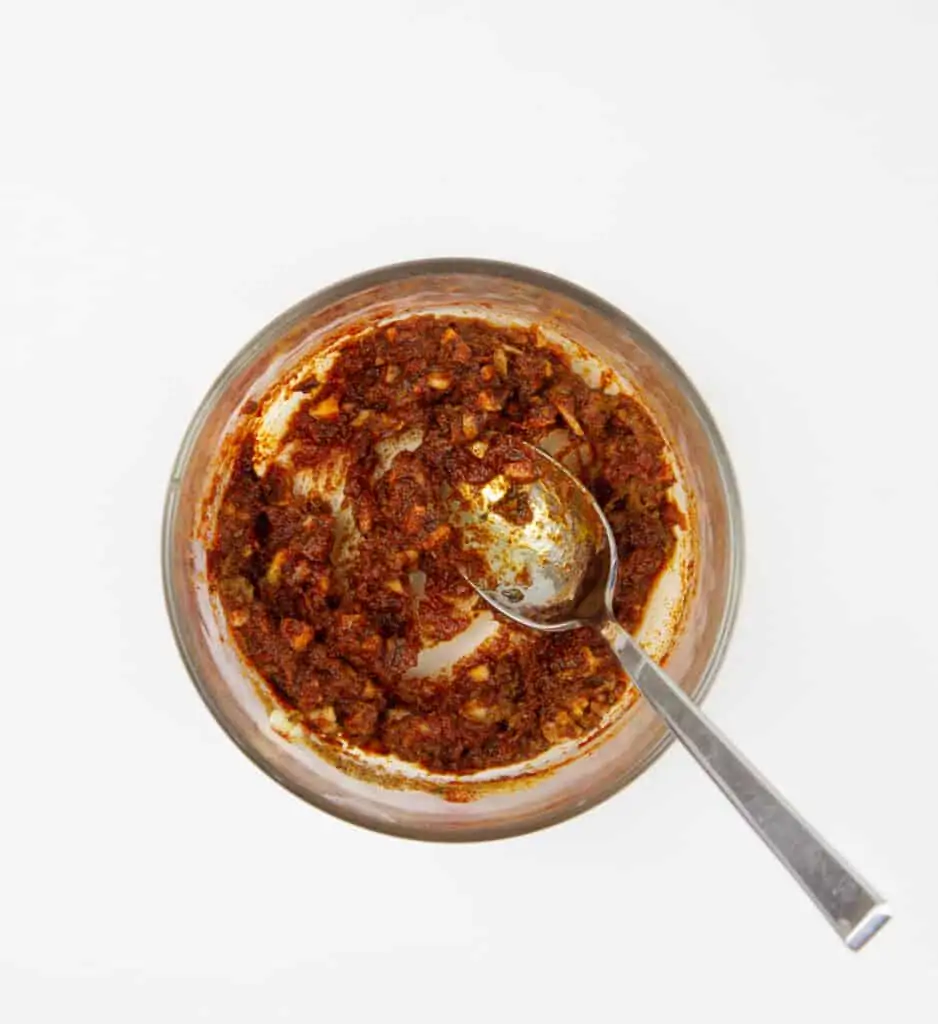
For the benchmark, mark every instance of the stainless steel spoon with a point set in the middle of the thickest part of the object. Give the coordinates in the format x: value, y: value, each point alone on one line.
x: 554, y: 568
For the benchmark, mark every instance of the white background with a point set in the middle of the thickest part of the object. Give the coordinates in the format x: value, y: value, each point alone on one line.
x: 758, y: 185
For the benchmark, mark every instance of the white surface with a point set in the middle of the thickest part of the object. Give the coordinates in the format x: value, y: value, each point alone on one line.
x: 758, y: 185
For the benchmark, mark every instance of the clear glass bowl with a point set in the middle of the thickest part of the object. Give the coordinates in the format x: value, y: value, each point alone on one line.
x: 492, y: 291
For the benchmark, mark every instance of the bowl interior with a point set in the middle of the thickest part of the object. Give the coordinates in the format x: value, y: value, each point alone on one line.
x: 493, y: 292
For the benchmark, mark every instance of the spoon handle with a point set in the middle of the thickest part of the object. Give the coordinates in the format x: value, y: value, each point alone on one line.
x: 851, y: 905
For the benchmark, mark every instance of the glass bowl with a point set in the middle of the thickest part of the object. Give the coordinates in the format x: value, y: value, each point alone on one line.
x: 484, y: 808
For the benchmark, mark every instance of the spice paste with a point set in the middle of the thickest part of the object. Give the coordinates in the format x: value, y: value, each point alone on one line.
x: 332, y: 607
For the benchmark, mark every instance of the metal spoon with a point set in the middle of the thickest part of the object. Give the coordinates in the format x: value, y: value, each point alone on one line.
x: 554, y: 568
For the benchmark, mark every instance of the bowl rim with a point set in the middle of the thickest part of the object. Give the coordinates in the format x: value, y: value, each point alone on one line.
x: 464, y: 266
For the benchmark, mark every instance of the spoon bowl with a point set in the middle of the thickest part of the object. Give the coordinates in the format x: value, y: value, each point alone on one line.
x: 550, y: 564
